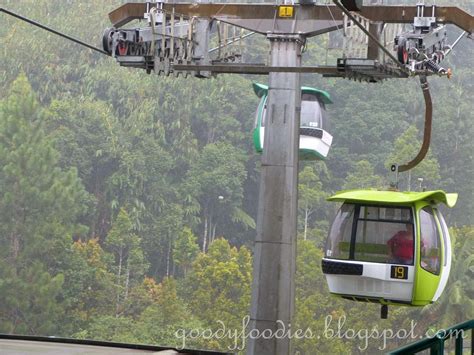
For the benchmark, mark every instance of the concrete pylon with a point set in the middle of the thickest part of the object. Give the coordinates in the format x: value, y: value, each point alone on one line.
x: 273, y: 288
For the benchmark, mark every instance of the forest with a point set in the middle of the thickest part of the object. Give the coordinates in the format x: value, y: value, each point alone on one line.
x: 128, y: 202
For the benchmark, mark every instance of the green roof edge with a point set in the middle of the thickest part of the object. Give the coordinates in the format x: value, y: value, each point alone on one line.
x: 395, y: 197
x: 261, y: 90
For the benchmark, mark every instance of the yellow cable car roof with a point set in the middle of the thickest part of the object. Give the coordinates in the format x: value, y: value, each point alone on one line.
x: 395, y: 197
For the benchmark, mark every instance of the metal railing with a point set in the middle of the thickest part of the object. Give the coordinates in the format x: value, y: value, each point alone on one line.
x: 436, y: 344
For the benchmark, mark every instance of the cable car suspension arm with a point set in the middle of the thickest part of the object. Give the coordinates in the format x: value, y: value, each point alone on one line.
x: 427, y: 131
x: 37, y: 24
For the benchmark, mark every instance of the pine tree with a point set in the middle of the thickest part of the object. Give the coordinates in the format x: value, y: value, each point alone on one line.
x: 39, y: 209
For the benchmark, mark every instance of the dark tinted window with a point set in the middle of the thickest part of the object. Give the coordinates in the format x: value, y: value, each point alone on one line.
x: 310, y: 114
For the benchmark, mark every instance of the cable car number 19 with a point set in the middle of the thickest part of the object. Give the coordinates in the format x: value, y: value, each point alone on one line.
x: 399, y: 272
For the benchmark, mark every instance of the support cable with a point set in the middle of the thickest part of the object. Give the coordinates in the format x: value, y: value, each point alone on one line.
x: 8, y: 12
x: 427, y: 131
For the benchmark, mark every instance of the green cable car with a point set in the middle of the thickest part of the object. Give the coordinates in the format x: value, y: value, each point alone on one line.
x: 315, y: 141
x: 389, y: 247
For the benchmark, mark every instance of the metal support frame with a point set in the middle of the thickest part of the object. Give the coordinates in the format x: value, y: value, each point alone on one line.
x: 273, y: 287
x: 363, y: 65
x: 262, y: 12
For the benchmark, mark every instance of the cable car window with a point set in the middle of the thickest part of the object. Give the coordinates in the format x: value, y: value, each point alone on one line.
x: 430, y: 242
x: 339, y: 241
x: 384, y: 235
x: 309, y: 97
x: 445, y: 231
x: 321, y: 116
x: 324, y: 118
x: 310, y: 114
x: 385, y: 213
x: 264, y: 113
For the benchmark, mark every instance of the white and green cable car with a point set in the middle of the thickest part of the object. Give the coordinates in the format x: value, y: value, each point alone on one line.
x: 315, y: 141
x: 389, y: 247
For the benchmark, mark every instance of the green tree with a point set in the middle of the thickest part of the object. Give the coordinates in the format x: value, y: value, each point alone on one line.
x: 363, y: 177
x: 456, y: 304
x: 168, y: 316
x: 85, y: 132
x: 40, y: 206
x: 28, y: 294
x: 88, y: 286
x: 311, y: 196
x: 314, y: 304
x: 219, y: 287
x: 130, y: 265
x: 111, y: 328
x: 185, y: 250
x: 216, y: 180
x: 168, y: 227
x: 460, y: 288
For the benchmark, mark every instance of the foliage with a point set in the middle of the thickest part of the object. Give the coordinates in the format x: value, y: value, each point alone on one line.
x: 130, y: 265
x: 363, y: 177
x: 39, y: 210
x: 88, y: 285
x: 312, y: 205
x: 186, y: 250
x: 219, y: 286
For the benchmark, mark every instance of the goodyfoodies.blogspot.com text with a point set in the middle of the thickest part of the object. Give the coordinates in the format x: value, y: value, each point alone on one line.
x: 333, y: 328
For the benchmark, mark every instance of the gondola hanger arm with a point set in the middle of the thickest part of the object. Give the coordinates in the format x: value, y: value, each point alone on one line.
x: 427, y: 130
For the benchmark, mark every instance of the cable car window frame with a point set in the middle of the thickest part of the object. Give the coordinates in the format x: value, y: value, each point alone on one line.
x: 323, y: 119
x: 445, y: 234
x: 315, y: 116
x: 264, y: 112
x: 439, y: 238
x: 329, y: 241
x: 355, y: 222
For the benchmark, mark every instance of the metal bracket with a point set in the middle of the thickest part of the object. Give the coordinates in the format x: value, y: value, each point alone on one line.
x: 394, y: 177
x: 287, y: 37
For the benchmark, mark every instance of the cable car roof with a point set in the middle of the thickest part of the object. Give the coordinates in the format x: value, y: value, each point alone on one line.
x: 395, y: 197
x: 261, y: 90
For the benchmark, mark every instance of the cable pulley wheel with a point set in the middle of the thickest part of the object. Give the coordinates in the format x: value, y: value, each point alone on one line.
x: 402, y: 52
x: 107, y: 40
